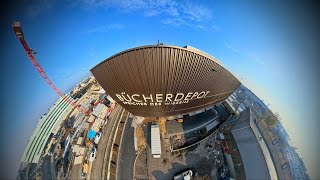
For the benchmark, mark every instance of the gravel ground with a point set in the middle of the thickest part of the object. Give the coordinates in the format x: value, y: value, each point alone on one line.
x: 205, y: 159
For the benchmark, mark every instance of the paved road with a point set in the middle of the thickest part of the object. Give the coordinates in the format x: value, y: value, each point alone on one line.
x: 48, y: 168
x: 97, y: 165
x: 75, y: 172
x: 127, y: 153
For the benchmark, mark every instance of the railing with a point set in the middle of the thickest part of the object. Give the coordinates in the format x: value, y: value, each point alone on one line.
x: 206, y: 138
x: 108, y: 152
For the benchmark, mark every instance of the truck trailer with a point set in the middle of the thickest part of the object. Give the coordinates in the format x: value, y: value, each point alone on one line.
x: 155, y: 141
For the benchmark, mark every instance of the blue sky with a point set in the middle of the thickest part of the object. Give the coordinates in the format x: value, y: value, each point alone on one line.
x: 269, y: 47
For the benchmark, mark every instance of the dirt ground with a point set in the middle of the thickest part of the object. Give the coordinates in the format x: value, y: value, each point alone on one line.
x: 205, y: 159
x: 141, y: 142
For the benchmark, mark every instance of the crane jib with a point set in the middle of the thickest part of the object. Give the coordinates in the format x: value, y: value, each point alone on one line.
x: 19, y: 33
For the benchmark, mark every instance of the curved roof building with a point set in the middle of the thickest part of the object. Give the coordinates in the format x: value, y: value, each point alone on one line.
x: 163, y: 80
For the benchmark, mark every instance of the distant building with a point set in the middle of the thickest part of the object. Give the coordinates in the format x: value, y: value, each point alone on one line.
x: 297, y: 167
x: 286, y: 161
x: 275, y: 146
x: 48, y: 125
x: 248, y: 94
x: 283, y: 133
x: 82, y: 88
x: 242, y: 99
x: 254, y: 152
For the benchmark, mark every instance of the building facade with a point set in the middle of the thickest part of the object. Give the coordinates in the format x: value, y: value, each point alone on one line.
x: 254, y: 153
x: 163, y: 80
x: 297, y: 168
x: 48, y: 124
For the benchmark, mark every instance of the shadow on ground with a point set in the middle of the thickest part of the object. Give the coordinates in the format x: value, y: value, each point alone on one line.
x: 175, y: 167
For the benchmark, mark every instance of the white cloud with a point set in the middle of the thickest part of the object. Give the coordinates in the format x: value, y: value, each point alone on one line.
x: 116, y: 26
x: 174, y: 22
x: 105, y: 28
x: 152, y: 12
x: 174, y: 13
x: 231, y: 48
x: 215, y: 28
x: 34, y: 8
x: 196, y: 12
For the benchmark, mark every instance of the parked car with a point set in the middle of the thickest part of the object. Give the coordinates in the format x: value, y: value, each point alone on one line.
x: 93, y: 154
x: 97, y: 138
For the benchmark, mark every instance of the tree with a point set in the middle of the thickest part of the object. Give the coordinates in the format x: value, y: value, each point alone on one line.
x: 271, y: 119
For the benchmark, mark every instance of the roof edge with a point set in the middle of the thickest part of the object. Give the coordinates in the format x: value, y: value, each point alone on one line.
x: 186, y: 48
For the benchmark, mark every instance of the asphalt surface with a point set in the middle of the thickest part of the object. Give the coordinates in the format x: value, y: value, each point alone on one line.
x: 97, y: 165
x: 75, y: 172
x: 191, y: 124
x: 222, y: 111
x: 48, y: 169
x: 254, y: 161
x: 127, y: 153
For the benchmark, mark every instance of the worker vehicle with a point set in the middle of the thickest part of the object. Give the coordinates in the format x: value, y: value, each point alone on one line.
x: 93, y: 154
x: 185, y: 175
x: 97, y: 138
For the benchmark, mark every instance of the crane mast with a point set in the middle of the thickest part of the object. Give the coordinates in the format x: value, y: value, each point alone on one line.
x: 19, y: 33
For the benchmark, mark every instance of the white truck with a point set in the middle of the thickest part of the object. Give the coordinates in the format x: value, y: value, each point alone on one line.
x: 155, y: 141
x: 186, y: 175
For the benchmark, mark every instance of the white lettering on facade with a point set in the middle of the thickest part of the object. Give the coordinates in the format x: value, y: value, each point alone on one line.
x: 122, y: 94
x: 135, y: 95
x: 188, y: 95
x: 159, y: 97
x: 177, y: 95
x: 194, y: 95
x: 145, y: 98
x: 201, y: 95
x: 169, y: 97
x: 119, y: 97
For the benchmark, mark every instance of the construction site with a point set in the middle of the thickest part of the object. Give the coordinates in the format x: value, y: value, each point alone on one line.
x: 205, y: 157
x: 89, y: 134
x: 71, y: 150
x: 98, y: 139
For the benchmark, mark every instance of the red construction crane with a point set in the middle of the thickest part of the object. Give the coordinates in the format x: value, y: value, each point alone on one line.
x: 18, y: 31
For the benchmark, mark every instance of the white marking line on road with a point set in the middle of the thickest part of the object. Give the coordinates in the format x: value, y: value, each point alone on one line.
x: 134, y: 164
x: 118, y: 157
x: 135, y: 140
x: 105, y: 153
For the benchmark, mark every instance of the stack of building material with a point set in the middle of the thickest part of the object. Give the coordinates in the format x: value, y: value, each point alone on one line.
x: 79, y: 141
x: 78, y: 150
x: 78, y: 160
x: 98, y: 109
x: 91, y: 119
x: 96, y: 125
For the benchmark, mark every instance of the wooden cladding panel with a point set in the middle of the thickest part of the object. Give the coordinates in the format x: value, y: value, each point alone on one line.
x: 165, y: 70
